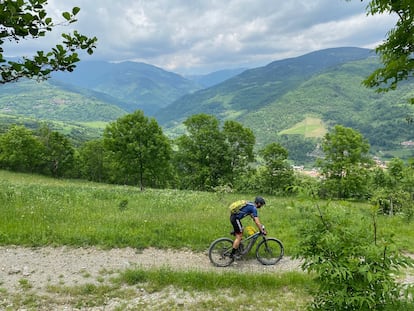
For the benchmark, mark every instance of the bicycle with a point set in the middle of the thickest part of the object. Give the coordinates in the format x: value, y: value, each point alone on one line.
x: 269, y: 251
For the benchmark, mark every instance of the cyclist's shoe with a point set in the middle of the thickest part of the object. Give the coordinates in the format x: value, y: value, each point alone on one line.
x: 235, y: 256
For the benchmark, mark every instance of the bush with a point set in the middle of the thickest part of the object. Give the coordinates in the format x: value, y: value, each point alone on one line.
x: 354, y: 272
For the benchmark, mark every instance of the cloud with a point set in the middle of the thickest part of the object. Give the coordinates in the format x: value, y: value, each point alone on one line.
x: 203, y: 36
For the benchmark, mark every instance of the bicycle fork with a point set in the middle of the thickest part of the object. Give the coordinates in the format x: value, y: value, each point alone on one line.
x: 267, y: 248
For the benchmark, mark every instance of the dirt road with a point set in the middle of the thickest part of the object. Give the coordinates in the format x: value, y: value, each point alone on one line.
x: 73, y: 266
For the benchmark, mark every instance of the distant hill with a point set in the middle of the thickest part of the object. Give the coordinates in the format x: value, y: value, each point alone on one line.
x: 258, y: 87
x: 136, y: 85
x: 94, y: 94
x: 286, y: 99
x: 48, y: 100
x: 208, y: 80
x: 78, y: 113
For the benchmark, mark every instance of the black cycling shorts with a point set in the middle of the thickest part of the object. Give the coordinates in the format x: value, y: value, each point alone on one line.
x: 236, y: 223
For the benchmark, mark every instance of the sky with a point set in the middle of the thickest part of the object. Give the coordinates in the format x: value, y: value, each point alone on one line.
x: 202, y: 36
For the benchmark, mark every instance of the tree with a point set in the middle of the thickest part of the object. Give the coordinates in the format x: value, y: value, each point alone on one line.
x: 241, y: 142
x: 59, y: 154
x: 28, y: 19
x: 92, y: 163
x: 277, y: 173
x: 202, y: 159
x: 298, y: 146
x: 346, y: 163
x: 393, y: 189
x: 20, y: 150
x: 139, y: 150
x: 397, y: 51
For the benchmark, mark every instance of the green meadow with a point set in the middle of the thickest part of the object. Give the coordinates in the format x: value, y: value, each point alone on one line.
x: 309, y: 127
x: 39, y: 211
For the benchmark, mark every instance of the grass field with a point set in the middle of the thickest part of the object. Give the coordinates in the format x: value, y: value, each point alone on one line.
x: 309, y: 127
x: 36, y: 211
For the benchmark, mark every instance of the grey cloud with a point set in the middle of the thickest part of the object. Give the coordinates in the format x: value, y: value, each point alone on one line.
x: 199, y: 35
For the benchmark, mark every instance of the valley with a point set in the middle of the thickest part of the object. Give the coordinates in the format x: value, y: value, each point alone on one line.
x: 293, y: 101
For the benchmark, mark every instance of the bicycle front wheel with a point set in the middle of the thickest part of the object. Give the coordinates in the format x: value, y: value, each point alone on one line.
x: 219, y: 252
x: 269, y: 251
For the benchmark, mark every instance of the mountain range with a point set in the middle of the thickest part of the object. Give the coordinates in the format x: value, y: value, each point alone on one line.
x: 293, y: 101
x: 134, y: 85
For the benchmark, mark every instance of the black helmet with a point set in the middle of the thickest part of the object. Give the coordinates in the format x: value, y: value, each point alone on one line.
x: 260, y: 200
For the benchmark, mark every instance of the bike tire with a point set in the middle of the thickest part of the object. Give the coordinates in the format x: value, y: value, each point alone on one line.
x: 219, y: 252
x: 269, y: 251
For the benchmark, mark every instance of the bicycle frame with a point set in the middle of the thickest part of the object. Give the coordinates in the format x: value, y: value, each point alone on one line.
x: 251, y: 241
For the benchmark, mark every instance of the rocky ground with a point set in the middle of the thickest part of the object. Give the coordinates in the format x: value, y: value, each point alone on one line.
x: 67, y: 266
x: 72, y: 266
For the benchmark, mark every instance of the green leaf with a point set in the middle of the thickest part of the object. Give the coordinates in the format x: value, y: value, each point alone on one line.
x: 42, y: 14
x: 34, y: 31
x: 75, y: 10
x: 66, y: 15
x: 369, y: 277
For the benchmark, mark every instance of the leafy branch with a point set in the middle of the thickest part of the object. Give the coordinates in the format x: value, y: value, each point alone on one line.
x: 28, y: 19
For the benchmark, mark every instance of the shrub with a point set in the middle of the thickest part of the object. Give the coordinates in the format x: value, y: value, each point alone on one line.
x: 354, y: 271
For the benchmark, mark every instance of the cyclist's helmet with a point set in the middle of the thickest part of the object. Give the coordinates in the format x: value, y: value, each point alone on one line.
x: 259, y: 200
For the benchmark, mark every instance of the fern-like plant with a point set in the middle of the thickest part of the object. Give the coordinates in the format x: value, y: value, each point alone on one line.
x: 354, y: 270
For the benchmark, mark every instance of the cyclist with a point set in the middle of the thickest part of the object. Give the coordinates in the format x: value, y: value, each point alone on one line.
x: 249, y: 209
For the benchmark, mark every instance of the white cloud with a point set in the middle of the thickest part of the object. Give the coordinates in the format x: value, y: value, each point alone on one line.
x: 198, y: 35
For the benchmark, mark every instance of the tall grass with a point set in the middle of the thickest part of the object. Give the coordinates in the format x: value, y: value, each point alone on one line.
x: 164, y: 277
x: 164, y: 289
x: 228, y: 291
x: 36, y: 210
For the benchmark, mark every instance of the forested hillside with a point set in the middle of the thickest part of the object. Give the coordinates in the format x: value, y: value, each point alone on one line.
x: 337, y: 97
x: 48, y: 101
x: 259, y: 87
x: 324, y: 86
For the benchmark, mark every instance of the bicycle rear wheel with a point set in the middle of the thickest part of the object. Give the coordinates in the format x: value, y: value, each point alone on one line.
x: 219, y: 252
x: 269, y: 251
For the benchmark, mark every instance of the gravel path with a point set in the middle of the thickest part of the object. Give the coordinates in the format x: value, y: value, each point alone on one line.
x: 67, y: 266
x: 74, y: 266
